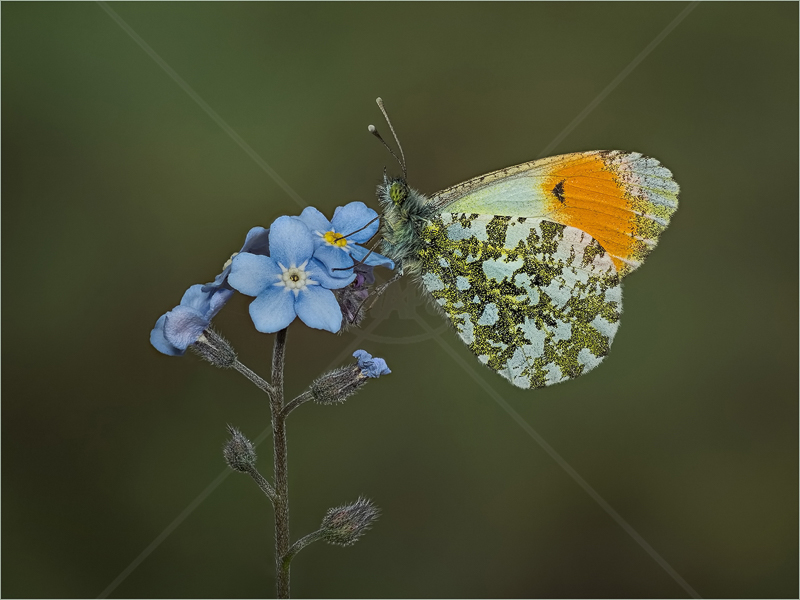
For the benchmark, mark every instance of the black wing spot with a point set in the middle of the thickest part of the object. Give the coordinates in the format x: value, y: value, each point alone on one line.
x: 558, y: 191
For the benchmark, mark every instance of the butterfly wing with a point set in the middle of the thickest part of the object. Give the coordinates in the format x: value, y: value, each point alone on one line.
x: 537, y: 301
x: 622, y: 199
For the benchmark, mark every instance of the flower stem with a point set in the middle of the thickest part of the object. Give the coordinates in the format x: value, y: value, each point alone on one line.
x: 278, y: 357
x: 300, y: 544
x: 301, y: 399
x: 281, y: 467
x: 260, y: 383
x: 263, y: 484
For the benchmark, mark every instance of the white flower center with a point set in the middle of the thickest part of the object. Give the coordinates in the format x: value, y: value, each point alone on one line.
x: 295, y: 279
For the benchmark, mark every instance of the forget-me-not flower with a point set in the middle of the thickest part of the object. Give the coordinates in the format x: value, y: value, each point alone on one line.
x: 183, y: 325
x: 371, y: 367
x: 337, y: 241
x: 289, y: 282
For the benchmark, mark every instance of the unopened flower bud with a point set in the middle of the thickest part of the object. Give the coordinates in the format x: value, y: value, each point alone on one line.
x: 215, y: 349
x: 240, y: 454
x: 343, y: 525
x: 338, y: 385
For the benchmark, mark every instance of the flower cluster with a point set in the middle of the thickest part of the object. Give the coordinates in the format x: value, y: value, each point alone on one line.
x: 304, y: 266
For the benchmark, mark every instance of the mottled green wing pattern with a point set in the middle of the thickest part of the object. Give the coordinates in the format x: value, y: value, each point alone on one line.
x: 538, y: 302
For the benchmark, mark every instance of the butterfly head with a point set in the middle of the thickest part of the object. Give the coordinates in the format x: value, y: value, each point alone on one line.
x: 393, y: 193
x: 398, y: 192
x: 401, y: 203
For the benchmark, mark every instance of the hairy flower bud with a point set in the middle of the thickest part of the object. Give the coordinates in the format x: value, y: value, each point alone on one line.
x: 343, y: 525
x: 338, y: 385
x: 215, y: 349
x: 240, y: 454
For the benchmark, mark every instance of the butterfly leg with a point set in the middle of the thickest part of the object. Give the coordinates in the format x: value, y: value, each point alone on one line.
x: 380, y: 291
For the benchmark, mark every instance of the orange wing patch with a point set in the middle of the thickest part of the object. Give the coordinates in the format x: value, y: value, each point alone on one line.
x: 623, y: 200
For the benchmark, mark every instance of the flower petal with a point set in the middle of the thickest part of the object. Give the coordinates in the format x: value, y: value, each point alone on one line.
x: 290, y: 242
x: 371, y: 367
x: 273, y: 310
x: 196, y: 298
x: 159, y: 341
x: 250, y: 274
x: 315, y: 220
x: 183, y: 326
x: 256, y: 242
x: 317, y: 272
x: 219, y: 299
x: 374, y: 260
x: 352, y: 217
x: 335, y: 260
x: 219, y: 280
x: 317, y: 308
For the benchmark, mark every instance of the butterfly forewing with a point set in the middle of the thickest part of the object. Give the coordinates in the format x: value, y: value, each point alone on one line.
x: 622, y: 199
x: 537, y: 301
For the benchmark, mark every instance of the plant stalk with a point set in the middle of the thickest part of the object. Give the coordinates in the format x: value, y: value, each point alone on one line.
x: 281, y: 467
x: 260, y: 383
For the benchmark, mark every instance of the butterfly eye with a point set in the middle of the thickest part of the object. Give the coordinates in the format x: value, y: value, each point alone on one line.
x: 398, y: 192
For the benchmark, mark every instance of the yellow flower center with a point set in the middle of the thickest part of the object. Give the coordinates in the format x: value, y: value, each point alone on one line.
x: 335, y: 239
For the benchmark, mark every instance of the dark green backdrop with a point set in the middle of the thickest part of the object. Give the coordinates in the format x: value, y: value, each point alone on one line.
x: 119, y: 191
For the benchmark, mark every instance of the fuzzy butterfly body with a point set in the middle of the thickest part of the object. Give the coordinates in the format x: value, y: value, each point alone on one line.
x: 527, y: 261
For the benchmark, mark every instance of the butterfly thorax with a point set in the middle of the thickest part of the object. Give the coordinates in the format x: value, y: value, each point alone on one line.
x: 405, y: 213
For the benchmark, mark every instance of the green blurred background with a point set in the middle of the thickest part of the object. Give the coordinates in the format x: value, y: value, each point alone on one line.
x: 119, y: 192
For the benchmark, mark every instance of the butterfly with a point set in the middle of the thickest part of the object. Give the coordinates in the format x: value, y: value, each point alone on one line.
x: 527, y: 262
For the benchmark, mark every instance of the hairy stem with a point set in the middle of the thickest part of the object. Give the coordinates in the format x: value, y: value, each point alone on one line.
x: 258, y: 381
x: 300, y: 544
x: 281, y: 467
x: 301, y: 399
x: 278, y: 357
x: 263, y: 484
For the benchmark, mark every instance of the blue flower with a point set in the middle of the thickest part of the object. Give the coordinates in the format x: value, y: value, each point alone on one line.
x: 183, y: 325
x: 289, y: 282
x: 337, y: 241
x: 371, y: 367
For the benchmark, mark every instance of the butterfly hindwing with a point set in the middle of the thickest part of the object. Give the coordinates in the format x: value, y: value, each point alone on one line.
x: 537, y: 301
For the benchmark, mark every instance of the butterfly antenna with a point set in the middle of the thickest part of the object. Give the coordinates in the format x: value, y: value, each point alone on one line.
x: 396, y: 139
x: 340, y: 236
x: 383, y: 288
x: 359, y: 262
x: 374, y: 131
